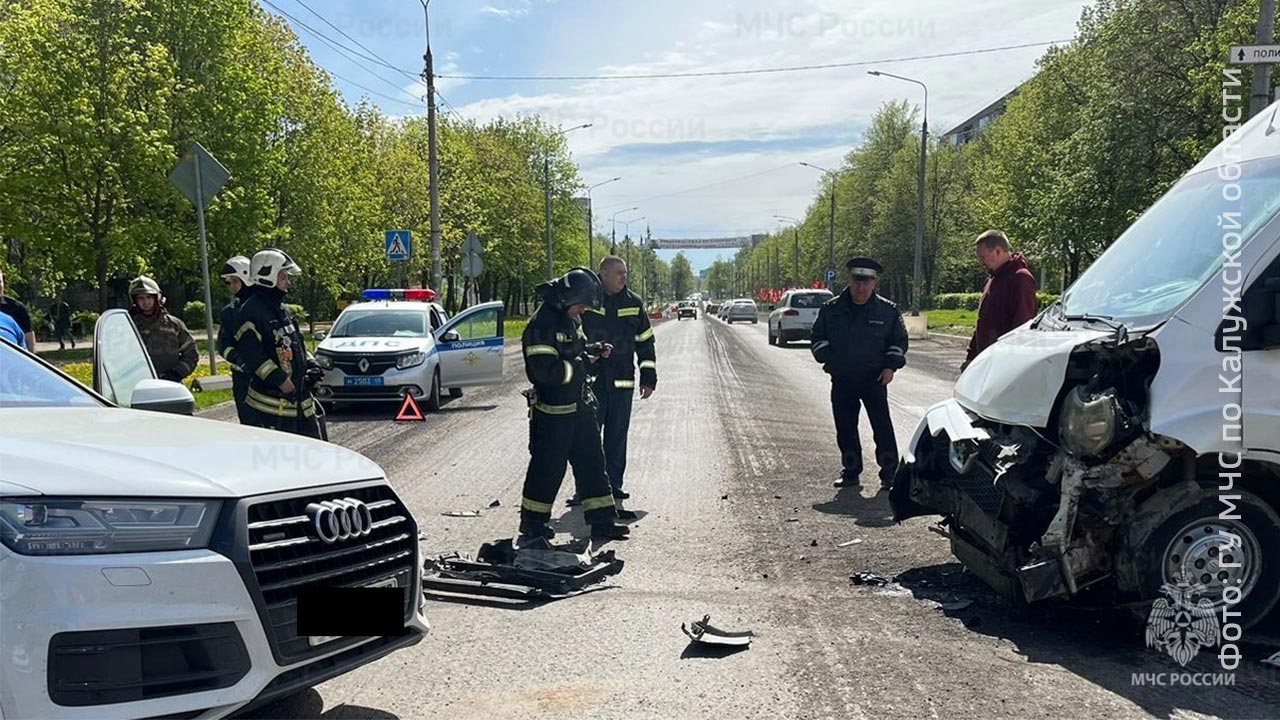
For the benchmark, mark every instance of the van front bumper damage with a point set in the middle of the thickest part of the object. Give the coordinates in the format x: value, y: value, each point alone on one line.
x: 1029, y: 519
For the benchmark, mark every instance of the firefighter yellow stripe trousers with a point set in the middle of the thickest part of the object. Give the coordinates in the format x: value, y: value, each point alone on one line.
x: 555, y: 442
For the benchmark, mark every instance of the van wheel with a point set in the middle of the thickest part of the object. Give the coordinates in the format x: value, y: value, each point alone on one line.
x: 455, y: 393
x: 433, y: 395
x: 1198, y: 543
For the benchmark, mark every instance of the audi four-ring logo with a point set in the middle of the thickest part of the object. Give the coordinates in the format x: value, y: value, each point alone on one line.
x: 342, y: 519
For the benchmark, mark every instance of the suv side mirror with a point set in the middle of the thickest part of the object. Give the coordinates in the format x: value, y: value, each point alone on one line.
x: 163, y: 396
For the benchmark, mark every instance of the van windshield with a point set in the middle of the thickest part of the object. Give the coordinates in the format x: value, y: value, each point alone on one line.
x: 1174, y: 247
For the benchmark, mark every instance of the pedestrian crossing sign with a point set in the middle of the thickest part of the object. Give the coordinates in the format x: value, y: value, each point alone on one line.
x: 399, y: 245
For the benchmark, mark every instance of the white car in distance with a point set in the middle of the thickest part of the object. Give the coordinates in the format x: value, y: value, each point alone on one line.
x: 153, y: 565
x: 793, y: 317
x: 399, y: 342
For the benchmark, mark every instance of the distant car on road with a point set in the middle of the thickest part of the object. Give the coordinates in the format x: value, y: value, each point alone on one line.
x: 742, y: 309
x: 713, y: 308
x: 792, y: 318
x: 685, y: 309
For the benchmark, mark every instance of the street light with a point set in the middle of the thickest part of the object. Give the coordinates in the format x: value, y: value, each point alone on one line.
x: 924, y: 145
x: 795, y: 257
x: 613, y: 243
x: 546, y: 185
x: 627, y: 236
x: 831, y: 230
x: 591, y: 240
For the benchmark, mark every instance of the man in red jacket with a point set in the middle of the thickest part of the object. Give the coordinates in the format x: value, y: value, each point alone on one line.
x: 1009, y: 298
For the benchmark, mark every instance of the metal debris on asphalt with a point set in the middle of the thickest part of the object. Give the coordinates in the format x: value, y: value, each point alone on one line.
x: 461, y: 513
x: 855, y: 541
x: 702, y: 631
x: 956, y: 605
x: 505, y: 571
x: 866, y: 578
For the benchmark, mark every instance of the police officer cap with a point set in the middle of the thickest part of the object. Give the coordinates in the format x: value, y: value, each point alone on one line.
x: 864, y: 267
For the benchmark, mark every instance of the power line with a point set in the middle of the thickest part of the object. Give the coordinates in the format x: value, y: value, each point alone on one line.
x: 449, y: 106
x: 379, y: 59
x: 702, y: 187
x: 347, y: 53
x: 756, y: 71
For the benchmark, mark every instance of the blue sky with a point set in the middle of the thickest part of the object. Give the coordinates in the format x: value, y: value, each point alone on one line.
x: 669, y: 138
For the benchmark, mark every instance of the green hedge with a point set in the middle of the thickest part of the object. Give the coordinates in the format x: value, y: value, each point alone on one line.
x: 970, y: 301
x: 193, y: 314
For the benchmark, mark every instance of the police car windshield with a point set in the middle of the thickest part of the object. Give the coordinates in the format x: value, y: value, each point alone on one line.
x: 26, y: 383
x: 381, y: 323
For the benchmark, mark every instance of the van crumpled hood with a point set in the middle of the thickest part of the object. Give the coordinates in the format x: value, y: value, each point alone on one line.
x: 111, y: 451
x: 1017, y: 380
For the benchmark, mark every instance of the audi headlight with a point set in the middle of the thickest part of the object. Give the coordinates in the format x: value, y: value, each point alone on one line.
x: 409, y: 360
x: 39, y: 526
x: 1087, y: 425
x: 325, y: 361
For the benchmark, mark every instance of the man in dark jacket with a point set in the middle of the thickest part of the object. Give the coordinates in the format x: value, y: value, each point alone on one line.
x: 270, y: 348
x: 167, y: 339
x: 620, y: 321
x: 16, y: 310
x: 860, y: 339
x: 1009, y: 297
x: 236, y: 274
x: 562, y: 416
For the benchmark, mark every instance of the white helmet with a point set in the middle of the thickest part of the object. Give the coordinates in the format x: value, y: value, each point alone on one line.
x: 267, y: 264
x: 236, y: 267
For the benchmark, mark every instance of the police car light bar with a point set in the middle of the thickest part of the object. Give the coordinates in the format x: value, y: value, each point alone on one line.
x: 426, y: 294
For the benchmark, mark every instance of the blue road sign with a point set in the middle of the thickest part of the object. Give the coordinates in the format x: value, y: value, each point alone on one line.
x: 399, y: 245
x: 831, y: 275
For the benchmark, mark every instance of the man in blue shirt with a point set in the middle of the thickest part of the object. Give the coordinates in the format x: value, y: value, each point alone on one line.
x: 11, y: 331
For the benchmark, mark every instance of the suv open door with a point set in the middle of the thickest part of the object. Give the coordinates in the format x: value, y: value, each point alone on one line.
x: 471, y: 346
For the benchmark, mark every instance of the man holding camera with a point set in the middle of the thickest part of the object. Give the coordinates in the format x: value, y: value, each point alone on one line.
x: 563, y: 426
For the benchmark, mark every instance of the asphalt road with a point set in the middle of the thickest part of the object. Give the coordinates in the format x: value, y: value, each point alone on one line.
x: 731, y: 467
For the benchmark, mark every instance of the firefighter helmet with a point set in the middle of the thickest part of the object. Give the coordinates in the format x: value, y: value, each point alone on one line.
x: 579, y: 286
x: 267, y: 264
x: 236, y: 267
x: 143, y: 285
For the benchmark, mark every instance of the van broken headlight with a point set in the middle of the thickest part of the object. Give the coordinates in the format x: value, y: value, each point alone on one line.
x: 40, y: 526
x: 1087, y: 425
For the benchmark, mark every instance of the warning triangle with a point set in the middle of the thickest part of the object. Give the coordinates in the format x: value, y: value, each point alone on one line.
x: 397, y: 246
x: 409, y: 411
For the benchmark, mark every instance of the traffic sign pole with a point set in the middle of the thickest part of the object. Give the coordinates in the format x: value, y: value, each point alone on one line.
x: 204, y: 268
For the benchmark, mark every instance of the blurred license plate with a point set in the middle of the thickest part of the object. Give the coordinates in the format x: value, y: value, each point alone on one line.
x: 316, y: 640
x: 362, y: 381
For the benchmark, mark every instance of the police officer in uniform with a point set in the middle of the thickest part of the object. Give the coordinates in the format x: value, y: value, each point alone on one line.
x: 167, y: 339
x: 563, y: 428
x: 620, y: 321
x: 236, y: 273
x: 860, y: 339
x: 270, y: 348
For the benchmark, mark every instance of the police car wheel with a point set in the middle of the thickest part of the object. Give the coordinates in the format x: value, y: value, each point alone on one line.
x: 433, y: 395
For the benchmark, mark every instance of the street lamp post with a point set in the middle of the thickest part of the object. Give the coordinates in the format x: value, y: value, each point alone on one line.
x: 591, y: 239
x: 916, y: 282
x: 626, y: 236
x: 546, y: 187
x: 831, y: 230
x: 613, y: 242
x: 795, y: 256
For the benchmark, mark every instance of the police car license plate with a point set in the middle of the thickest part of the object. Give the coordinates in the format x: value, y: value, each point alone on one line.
x: 365, y: 381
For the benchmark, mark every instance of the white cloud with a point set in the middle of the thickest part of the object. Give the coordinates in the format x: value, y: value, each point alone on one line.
x: 730, y: 126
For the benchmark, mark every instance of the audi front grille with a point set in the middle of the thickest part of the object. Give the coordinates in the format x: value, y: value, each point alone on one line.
x: 341, y: 537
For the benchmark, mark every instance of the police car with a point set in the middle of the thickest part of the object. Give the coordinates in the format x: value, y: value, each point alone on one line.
x: 401, y: 342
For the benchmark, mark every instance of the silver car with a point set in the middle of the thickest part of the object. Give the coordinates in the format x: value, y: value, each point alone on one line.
x: 741, y: 310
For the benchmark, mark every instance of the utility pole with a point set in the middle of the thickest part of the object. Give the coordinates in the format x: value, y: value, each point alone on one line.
x: 795, y: 258
x: 1261, y: 96
x: 917, y: 283
x: 433, y: 162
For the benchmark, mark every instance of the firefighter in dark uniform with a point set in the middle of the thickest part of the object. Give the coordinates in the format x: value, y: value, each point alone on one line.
x: 860, y: 339
x: 620, y: 321
x: 270, y: 348
x: 563, y: 428
x: 236, y: 274
x: 167, y: 339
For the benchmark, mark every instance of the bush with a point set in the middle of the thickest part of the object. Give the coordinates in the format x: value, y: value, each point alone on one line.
x: 193, y: 314
x: 83, y: 322
x: 970, y: 301
x: 299, y: 313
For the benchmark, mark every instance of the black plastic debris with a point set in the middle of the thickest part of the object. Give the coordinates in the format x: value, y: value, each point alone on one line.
x: 504, y: 571
x: 495, y: 503
x: 703, y: 632
x: 866, y: 578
